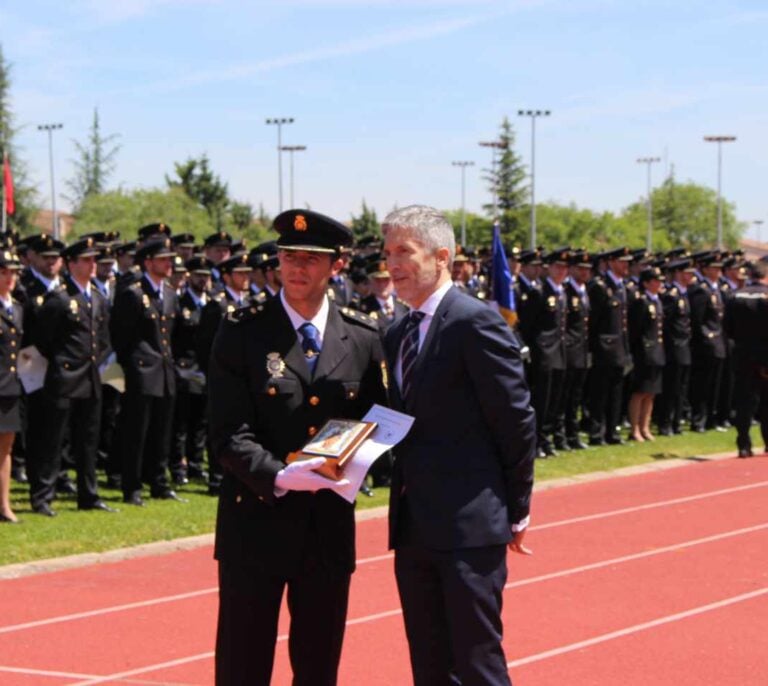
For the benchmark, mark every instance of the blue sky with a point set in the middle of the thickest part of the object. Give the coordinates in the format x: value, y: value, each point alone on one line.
x: 385, y: 94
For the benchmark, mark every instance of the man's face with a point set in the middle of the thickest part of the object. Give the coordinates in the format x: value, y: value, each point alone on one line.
x: 381, y: 286
x: 684, y: 278
x: 199, y: 283
x: 619, y: 267
x: 159, y: 267
x: 237, y: 281
x: 558, y: 272
x: 582, y: 274
x: 104, y: 270
x: 531, y: 271
x: 653, y: 286
x: 273, y: 278
x: 712, y: 273
x: 305, y: 274
x: 82, y: 268
x: 177, y: 280
x: 124, y: 262
x: 258, y: 278
x: 48, y: 265
x: 7, y: 280
x: 415, y: 270
x: 218, y: 253
x: 185, y: 252
x: 514, y: 266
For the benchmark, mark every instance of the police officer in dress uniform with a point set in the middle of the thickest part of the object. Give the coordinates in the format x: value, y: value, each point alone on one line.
x: 677, y: 347
x: 543, y: 328
x: 189, y: 424
x: 707, y: 343
x: 746, y: 322
x: 729, y: 284
x: 217, y: 248
x: 381, y: 304
x: 278, y: 372
x: 72, y: 333
x: 141, y: 326
x: 525, y: 282
x: 609, y: 346
x: 577, y: 357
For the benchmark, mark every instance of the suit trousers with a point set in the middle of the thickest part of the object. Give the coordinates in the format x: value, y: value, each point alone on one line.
x: 50, y: 420
x: 606, y: 388
x: 144, y: 436
x: 249, y: 606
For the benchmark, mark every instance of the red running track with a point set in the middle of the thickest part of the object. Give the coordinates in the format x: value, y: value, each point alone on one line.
x: 660, y: 577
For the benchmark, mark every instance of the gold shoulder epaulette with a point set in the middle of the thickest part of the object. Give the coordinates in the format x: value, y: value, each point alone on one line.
x: 244, y: 314
x: 358, y: 317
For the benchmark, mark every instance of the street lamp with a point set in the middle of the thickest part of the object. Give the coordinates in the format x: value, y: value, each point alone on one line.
x: 533, y: 114
x: 719, y: 140
x: 463, y: 164
x: 292, y: 149
x: 279, y: 121
x: 50, y: 128
x: 758, y: 224
x: 494, y: 145
x: 649, y: 161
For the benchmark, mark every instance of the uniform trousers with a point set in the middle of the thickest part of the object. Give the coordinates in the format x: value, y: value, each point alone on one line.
x: 249, y: 607
x: 49, y: 420
x: 546, y: 387
x: 751, y: 396
x: 607, y: 384
x: 675, y: 384
x: 189, y: 433
x: 110, y: 411
x: 145, y: 441
x: 571, y: 397
x: 705, y: 391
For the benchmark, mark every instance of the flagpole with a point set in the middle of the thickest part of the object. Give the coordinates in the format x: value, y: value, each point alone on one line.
x: 5, y: 194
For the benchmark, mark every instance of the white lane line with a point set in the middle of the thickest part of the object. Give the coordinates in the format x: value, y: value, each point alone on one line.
x: 375, y: 558
x: 637, y: 628
x: 45, y: 672
x: 394, y: 613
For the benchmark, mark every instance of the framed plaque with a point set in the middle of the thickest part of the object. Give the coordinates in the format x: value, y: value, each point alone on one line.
x: 336, y: 441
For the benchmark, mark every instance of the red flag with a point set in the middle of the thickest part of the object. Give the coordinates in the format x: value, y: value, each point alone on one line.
x: 10, y: 205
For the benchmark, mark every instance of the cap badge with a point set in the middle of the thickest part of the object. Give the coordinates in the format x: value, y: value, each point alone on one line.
x: 275, y: 365
x: 300, y: 223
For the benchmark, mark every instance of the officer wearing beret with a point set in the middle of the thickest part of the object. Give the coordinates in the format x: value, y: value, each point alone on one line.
x: 189, y: 424
x: 72, y: 333
x: 677, y: 347
x: 707, y: 342
x: 609, y: 346
x: 278, y: 371
x: 141, y: 325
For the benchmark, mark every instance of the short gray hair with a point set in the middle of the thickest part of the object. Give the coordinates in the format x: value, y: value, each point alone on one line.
x: 425, y: 224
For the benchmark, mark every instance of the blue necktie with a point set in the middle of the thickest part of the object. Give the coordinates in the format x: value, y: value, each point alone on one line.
x: 310, y: 344
x: 410, y: 349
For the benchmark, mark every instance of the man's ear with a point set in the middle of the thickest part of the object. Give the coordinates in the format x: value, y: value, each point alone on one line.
x: 443, y: 256
x: 337, y: 264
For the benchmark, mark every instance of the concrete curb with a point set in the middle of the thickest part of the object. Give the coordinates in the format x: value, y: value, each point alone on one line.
x: 57, y: 564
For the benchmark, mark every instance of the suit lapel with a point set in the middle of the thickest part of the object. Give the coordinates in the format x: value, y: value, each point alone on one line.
x: 392, y: 342
x: 334, y: 348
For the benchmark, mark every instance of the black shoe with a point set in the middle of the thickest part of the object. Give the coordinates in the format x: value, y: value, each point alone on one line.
x: 677, y: 431
x: 746, y: 452
x: 98, y: 505
x: 114, y: 481
x: 44, y: 509
x: 615, y: 440
x: 698, y: 429
x: 65, y: 487
x: 541, y: 454
x: 197, y: 474
x: 666, y: 431
x: 549, y: 451
x: 134, y: 499
x: 214, y: 489
x: 365, y: 490
x: 577, y: 444
x: 597, y: 441
x: 168, y: 494
x: 721, y: 429
x: 19, y: 475
x: 180, y: 480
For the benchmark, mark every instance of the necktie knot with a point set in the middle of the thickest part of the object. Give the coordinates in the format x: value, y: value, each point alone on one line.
x: 414, y: 318
x: 310, y: 343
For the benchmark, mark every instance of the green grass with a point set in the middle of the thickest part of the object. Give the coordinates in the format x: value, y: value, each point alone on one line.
x: 75, y: 532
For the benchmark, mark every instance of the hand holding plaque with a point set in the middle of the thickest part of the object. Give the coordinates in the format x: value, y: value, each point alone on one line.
x: 337, y: 441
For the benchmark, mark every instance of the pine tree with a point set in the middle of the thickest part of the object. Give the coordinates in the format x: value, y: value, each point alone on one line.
x: 198, y: 181
x: 367, y: 224
x: 95, y: 162
x: 506, y: 181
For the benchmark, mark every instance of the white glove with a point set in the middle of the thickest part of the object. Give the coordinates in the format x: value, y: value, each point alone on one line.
x: 298, y: 476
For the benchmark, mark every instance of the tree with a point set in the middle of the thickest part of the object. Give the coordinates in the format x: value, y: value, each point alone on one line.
x: 479, y: 229
x: 241, y: 215
x: 507, y: 184
x: 25, y: 195
x: 94, y: 164
x: 366, y: 224
x: 198, y: 181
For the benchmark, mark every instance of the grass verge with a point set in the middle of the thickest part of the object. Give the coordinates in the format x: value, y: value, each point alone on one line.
x: 73, y: 532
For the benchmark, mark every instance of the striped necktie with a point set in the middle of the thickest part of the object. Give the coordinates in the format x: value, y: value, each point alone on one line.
x: 410, y: 349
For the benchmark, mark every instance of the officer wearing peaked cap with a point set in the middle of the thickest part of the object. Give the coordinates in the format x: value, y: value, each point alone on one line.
x: 381, y: 304
x: 277, y: 373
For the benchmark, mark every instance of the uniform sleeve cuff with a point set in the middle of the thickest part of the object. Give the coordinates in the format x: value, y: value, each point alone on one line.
x: 521, y: 525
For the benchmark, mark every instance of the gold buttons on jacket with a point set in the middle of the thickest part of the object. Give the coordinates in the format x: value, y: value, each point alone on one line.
x: 238, y: 499
x: 272, y: 390
x: 314, y: 401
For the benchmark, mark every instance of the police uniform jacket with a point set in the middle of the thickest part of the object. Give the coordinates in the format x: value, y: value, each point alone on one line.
x: 608, y: 322
x: 522, y: 291
x: 746, y: 322
x: 576, y: 327
x: 677, y: 325
x: 11, y: 332
x: 372, y: 307
x: 265, y: 404
x: 543, y: 326
x: 141, y: 327
x: 707, y: 311
x: 34, y: 292
x: 72, y: 333
x: 184, y: 343
x: 646, y: 322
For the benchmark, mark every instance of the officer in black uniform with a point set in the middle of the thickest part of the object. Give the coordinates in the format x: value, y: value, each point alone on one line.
x: 746, y: 322
x: 217, y: 248
x: 141, y: 326
x: 609, y: 345
x: 707, y: 343
x: 278, y: 372
x: 542, y: 326
x: 677, y: 347
x: 127, y: 272
x: 577, y: 357
x: 381, y: 304
x: 189, y: 424
x: 72, y: 333
x: 526, y: 281
x: 265, y: 275
x: 732, y: 265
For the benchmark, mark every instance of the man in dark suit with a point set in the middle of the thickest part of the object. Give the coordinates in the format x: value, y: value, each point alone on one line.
x: 462, y: 478
x: 141, y: 326
x: 72, y: 333
x: 279, y: 370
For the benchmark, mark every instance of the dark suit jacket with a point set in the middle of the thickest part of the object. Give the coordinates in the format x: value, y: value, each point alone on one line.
x: 73, y: 335
x: 467, y: 463
x: 608, y: 339
x: 141, y: 327
x: 11, y: 332
x: 576, y: 328
x: 707, y: 312
x: 257, y: 417
x: 677, y: 325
